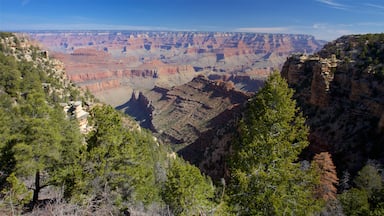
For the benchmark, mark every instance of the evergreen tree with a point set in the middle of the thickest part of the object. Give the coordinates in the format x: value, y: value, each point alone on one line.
x: 38, y: 151
x: 265, y: 178
x: 186, y: 191
x: 119, y: 161
x: 68, y: 169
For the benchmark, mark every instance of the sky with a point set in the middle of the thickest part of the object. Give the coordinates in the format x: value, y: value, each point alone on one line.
x: 324, y: 19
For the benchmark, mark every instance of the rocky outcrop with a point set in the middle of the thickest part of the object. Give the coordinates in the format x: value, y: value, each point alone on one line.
x: 340, y: 90
x: 75, y: 110
x: 297, y: 68
x: 183, y: 113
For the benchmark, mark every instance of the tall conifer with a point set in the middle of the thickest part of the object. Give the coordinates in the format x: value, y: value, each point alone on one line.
x: 265, y: 176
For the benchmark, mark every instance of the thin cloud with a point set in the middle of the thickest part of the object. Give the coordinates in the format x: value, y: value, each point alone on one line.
x: 333, y: 4
x: 381, y: 7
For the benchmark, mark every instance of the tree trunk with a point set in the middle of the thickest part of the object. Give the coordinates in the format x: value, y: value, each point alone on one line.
x: 36, y: 191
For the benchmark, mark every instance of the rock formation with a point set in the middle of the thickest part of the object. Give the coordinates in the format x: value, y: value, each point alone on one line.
x: 183, y: 113
x: 341, y: 91
x: 106, y: 60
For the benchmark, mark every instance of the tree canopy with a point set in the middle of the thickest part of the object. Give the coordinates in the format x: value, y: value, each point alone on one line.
x: 265, y: 176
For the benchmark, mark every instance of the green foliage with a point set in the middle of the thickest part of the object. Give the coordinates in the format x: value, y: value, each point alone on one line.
x: 31, y: 77
x: 15, y: 196
x: 42, y: 148
x: 186, y: 191
x: 369, y: 179
x: 8, y: 136
x: 120, y: 162
x: 34, y: 139
x: 355, y: 202
x: 4, y: 127
x: 368, y: 196
x: 265, y: 177
x: 10, y: 76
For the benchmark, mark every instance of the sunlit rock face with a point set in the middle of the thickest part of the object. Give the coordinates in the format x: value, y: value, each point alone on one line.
x: 114, y: 63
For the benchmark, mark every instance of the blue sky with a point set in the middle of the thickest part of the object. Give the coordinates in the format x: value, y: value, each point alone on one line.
x: 325, y: 19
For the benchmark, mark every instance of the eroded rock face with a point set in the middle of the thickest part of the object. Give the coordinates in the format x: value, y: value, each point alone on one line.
x: 103, y: 61
x: 199, y: 118
x: 341, y: 91
x: 183, y: 113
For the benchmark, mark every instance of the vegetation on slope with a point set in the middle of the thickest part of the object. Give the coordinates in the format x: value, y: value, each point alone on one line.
x: 48, y: 166
x: 115, y: 168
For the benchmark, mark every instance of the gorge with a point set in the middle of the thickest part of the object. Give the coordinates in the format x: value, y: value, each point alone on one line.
x: 111, y: 64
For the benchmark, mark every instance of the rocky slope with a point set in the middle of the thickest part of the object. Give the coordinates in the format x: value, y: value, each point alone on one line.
x: 102, y: 61
x: 181, y: 114
x: 341, y: 91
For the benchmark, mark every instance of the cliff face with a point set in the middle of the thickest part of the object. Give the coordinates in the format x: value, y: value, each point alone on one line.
x: 103, y: 61
x: 198, y: 118
x: 341, y: 91
x: 182, y: 114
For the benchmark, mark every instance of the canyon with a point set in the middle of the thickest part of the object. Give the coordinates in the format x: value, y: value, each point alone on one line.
x: 113, y: 64
x: 190, y: 89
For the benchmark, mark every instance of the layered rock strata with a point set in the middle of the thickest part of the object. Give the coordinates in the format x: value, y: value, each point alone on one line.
x: 107, y: 60
x: 182, y: 114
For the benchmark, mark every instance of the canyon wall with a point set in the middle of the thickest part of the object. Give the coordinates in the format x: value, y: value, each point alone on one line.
x: 108, y: 60
x: 341, y: 91
x: 181, y: 114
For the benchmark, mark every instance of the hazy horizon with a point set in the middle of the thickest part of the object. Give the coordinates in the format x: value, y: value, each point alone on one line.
x: 324, y: 19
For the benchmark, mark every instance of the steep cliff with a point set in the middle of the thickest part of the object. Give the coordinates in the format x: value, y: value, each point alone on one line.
x: 341, y: 91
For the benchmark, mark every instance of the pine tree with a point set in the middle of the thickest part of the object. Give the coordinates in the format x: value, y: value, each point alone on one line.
x: 187, y: 191
x: 38, y: 151
x: 119, y: 163
x: 44, y: 148
x: 265, y: 178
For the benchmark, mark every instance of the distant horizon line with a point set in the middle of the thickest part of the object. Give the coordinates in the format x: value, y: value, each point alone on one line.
x: 155, y: 30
